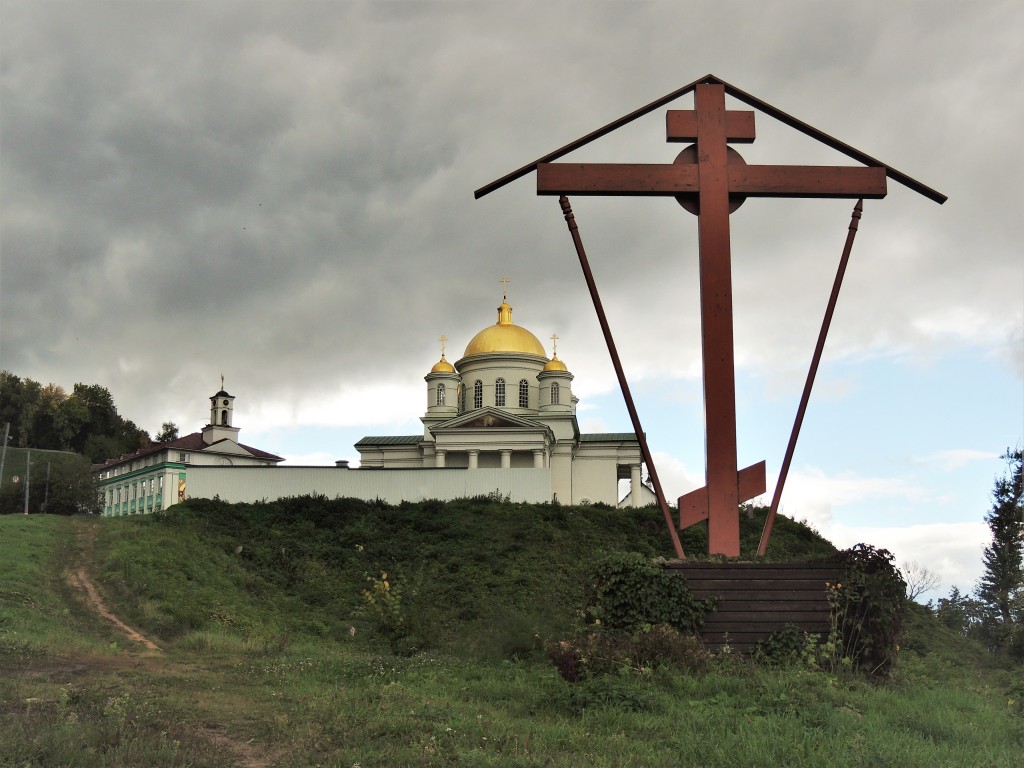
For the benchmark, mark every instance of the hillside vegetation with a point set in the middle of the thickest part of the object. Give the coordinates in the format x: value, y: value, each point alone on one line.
x: 272, y: 652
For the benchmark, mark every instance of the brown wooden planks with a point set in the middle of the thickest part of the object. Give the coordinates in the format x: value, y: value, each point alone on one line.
x: 760, y: 598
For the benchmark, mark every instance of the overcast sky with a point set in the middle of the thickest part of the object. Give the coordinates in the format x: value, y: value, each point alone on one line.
x: 282, y: 192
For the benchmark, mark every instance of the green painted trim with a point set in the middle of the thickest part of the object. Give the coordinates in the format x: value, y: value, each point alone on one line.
x: 164, y: 465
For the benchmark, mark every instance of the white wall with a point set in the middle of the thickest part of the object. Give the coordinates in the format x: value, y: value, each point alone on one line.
x: 249, y: 484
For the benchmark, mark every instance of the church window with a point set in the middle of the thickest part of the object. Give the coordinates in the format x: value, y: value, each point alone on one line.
x: 440, y: 394
x: 462, y: 399
x: 478, y: 394
x: 524, y: 394
x: 223, y: 418
x: 554, y: 393
x: 499, y: 393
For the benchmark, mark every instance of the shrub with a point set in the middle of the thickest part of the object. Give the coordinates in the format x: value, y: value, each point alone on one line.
x: 867, y: 609
x: 784, y: 646
x: 596, y: 652
x: 387, y: 609
x: 629, y: 593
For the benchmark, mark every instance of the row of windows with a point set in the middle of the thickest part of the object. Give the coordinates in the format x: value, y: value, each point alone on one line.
x: 132, y: 491
x: 499, y: 394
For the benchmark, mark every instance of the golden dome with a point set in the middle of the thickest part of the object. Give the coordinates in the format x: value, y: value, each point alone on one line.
x: 442, y: 366
x: 504, y: 336
x: 554, y: 364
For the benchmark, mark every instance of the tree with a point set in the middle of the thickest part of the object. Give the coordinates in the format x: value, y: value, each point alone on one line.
x: 961, y: 613
x: 11, y: 400
x: 168, y: 431
x: 61, y: 484
x: 920, y: 579
x: 47, y: 418
x: 1001, y: 589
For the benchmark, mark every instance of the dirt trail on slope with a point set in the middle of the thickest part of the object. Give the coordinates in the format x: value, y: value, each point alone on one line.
x: 246, y: 753
x: 78, y: 577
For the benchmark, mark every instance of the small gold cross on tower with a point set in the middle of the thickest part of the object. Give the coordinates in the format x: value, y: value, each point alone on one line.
x: 554, y: 345
x: 442, y: 339
x: 504, y: 288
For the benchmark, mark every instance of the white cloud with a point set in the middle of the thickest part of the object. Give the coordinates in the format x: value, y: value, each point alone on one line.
x: 957, y: 458
x: 383, y: 405
x: 811, y: 494
x: 676, y: 478
x: 952, y: 550
x: 313, y: 459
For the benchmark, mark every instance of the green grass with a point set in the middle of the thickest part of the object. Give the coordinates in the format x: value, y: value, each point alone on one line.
x: 37, y: 618
x: 260, y: 666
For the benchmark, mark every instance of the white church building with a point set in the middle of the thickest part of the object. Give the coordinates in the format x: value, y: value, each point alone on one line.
x: 500, y: 420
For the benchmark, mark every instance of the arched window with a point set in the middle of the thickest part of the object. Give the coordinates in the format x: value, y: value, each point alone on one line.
x: 524, y: 394
x: 440, y: 394
x: 499, y: 393
x: 478, y: 394
x: 554, y: 393
x: 462, y: 399
x: 223, y: 418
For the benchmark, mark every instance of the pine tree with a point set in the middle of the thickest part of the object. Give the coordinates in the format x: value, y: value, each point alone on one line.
x: 1001, y: 589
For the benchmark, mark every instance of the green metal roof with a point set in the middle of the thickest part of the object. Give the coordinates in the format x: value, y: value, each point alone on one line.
x: 608, y: 437
x: 391, y: 440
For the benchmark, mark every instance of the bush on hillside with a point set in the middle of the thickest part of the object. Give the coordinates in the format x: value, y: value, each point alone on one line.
x: 629, y: 593
x: 867, y: 609
x: 640, y: 616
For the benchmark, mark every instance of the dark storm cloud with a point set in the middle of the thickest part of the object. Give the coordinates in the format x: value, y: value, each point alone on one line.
x: 283, y: 191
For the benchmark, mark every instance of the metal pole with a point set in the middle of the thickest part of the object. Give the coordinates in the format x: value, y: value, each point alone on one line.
x: 3, y: 450
x: 28, y: 474
x: 46, y: 489
x: 769, y: 522
x: 570, y: 220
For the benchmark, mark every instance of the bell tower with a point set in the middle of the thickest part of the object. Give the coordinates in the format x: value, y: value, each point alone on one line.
x: 221, y: 413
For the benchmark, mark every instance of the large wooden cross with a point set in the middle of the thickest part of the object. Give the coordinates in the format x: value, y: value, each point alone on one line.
x: 711, y: 180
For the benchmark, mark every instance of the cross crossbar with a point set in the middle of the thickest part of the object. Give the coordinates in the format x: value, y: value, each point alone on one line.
x: 656, y: 180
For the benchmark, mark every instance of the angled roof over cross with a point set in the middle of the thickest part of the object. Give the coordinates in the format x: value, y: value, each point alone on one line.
x: 740, y: 95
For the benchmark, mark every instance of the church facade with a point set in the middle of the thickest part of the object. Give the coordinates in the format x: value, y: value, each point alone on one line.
x: 500, y: 420
x: 505, y: 405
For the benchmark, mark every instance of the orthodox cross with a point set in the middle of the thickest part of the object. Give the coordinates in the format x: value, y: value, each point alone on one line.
x: 711, y: 180
x: 504, y: 288
x: 442, y: 338
x: 554, y: 345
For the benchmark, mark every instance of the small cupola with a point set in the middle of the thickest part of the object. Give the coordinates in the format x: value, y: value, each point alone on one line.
x: 556, y: 384
x: 442, y: 386
x: 221, y: 424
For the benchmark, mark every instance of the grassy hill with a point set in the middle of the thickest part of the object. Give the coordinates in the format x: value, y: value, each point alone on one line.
x: 270, y: 655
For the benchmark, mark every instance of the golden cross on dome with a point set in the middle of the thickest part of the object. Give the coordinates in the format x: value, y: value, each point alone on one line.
x: 442, y: 338
x: 504, y: 288
x: 554, y: 345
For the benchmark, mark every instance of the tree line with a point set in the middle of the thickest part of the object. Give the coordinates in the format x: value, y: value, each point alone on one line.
x: 46, y: 417
x: 994, y: 612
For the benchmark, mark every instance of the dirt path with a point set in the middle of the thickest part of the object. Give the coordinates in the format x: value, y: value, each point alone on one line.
x: 246, y: 753
x: 78, y: 577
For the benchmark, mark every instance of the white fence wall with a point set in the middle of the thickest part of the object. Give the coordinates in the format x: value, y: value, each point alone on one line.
x: 249, y: 484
